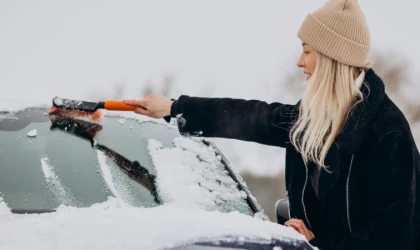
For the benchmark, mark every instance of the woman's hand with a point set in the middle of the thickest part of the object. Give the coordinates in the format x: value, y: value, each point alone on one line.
x: 154, y: 105
x: 300, y: 226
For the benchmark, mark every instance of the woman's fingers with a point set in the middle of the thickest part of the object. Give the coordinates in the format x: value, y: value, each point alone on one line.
x: 296, y: 226
x: 135, y: 102
x: 300, y: 227
x: 141, y: 111
x: 154, y: 105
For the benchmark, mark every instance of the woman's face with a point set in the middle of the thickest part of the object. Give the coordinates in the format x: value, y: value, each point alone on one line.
x: 307, y: 60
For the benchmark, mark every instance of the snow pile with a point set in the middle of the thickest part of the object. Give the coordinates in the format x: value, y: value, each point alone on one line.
x: 114, y: 225
x: 4, y: 209
x: 220, y: 156
x: 191, y: 174
x: 32, y: 133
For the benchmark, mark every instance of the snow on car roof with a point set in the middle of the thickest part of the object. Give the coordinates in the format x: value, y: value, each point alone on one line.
x: 115, y: 225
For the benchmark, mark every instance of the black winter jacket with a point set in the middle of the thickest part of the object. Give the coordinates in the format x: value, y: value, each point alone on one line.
x: 371, y: 198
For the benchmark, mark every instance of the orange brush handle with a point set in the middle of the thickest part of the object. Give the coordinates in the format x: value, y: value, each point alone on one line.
x: 119, y: 105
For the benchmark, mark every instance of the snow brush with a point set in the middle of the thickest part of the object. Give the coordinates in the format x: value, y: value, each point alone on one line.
x: 88, y: 110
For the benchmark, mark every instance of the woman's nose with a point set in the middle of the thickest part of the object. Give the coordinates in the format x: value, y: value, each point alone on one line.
x: 300, y: 63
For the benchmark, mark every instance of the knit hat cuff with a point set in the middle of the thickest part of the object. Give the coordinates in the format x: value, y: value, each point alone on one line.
x: 330, y: 43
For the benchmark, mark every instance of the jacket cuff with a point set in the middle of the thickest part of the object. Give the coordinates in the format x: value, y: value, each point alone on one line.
x: 314, y: 242
x: 174, y: 108
x: 173, y: 111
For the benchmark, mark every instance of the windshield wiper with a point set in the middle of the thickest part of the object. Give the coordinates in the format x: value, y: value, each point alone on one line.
x: 87, y: 130
x: 31, y: 211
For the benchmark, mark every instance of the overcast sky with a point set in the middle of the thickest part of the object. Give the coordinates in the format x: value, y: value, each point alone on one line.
x: 220, y: 48
x: 223, y: 44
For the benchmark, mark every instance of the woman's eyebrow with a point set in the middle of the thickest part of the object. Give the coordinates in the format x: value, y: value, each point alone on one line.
x: 303, y: 44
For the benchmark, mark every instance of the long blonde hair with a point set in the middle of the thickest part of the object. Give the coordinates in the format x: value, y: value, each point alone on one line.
x: 326, y: 103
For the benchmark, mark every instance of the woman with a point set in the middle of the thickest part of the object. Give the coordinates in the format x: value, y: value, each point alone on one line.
x: 352, y: 166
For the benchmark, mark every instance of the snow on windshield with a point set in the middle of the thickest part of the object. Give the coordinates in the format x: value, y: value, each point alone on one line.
x: 54, y: 183
x: 123, y: 115
x: 191, y: 174
x: 115, y: 225
x: 32, y: 133
x: 4, y: 209
x: 115, y: 181
x: 106, y: 173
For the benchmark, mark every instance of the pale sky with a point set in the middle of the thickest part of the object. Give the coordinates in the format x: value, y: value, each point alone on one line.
x: 219, y: 45
x: 224, y: 48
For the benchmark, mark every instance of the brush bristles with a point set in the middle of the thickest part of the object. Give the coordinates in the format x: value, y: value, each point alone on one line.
x: 88, y: 116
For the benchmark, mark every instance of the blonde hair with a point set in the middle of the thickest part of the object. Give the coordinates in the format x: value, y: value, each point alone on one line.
x: 330, y: 95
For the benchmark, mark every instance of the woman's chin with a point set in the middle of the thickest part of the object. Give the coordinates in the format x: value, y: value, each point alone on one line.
x: 309, y: 80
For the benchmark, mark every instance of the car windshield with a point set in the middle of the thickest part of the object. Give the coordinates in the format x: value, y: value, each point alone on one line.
x: 49, y: 160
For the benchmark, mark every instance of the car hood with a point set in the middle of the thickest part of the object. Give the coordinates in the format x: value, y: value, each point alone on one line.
x: 116, y: 225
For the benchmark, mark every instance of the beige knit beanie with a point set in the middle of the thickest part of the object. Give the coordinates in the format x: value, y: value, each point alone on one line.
x: 338, y: 30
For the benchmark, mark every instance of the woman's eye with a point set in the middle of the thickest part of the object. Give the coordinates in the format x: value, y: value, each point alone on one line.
x: 306, y: 52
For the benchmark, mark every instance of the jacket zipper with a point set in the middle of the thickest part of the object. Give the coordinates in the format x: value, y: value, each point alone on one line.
x: 347, y: 193
x: 303, y: 194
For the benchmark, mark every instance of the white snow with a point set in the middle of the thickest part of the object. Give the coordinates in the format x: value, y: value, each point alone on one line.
x: 114, y: 181
x: 121, y: 121
x: 129, y: 115
x: 58, y: 101
x: 54, y: 183
x: 106, y: 173
x: 190, y: 174
x: 4, y: 209
x: 114, y: 225
x: 32, y: 133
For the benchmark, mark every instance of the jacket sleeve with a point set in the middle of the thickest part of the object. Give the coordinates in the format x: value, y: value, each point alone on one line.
x: 393, y: 196
x: 248, y: 120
